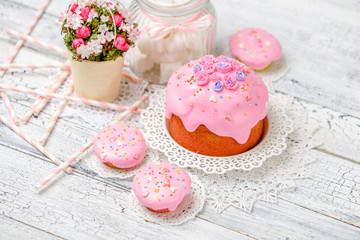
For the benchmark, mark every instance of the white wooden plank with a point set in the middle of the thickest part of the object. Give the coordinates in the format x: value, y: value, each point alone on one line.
x: 15, y: 230
x: 334, y: 191
x: 339, y: 132
x: 70, y: 210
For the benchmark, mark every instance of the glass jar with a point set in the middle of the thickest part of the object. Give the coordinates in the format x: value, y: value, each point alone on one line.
x: 173, y: 32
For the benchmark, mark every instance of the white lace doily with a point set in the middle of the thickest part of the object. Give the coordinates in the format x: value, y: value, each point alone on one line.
x: 104, y: 170
x: 158, y: 137
x: 97, y: 117
x: 242, y: 188
x: 276, y: 70
x: 192, y: 204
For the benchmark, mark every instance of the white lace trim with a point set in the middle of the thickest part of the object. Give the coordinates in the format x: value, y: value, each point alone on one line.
x: 276, y: 70
x: 96, y: 118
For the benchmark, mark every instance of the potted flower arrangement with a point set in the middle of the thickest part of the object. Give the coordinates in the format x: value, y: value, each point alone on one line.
x: 97, y: 33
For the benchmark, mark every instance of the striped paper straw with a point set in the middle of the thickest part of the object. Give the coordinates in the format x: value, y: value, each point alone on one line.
x: 10, y: 108
x: 20, y: 43
x: 50, y: 127
x: 132, y: 77
x: 67, y: 98
x: 34, y: 143
x: 60, y: 77
x: 78, y: 153
x: 38, y: 42
x: 52, y: 88
x: 35, y: 65
x: 28, y: 31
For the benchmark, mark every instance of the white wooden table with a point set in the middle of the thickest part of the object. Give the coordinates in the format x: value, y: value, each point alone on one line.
x: 321, y: 38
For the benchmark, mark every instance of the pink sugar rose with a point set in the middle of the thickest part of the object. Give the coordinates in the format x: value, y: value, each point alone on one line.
x: 83, y: 31
x: 85, y: 13
x: 223, y: 67
x: 77, y: 42
x: 215, y: 77
x: 238, y: 66
x: 118, y: 19
x: 201, y: 78
x: 72, y: 7
x: 230, y: 82
x: 121, y: 43
x: 209, y: 67
x: 208, y: 58
x: 223, y: 58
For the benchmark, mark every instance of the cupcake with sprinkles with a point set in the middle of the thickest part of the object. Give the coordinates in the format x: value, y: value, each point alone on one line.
x: 161, y: 186
x: 216, y: 106
x: 120, y: 145
x: 255, y: 47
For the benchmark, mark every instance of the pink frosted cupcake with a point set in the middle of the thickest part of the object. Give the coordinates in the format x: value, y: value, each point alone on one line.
x: 120, y: 145
x: 161, y: 186
x: 255, y: 47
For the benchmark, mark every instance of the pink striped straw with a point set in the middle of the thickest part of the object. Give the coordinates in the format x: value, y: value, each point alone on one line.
x: 34, y: 143
x: 60, y: 77
x: 50, y: 127
x: 28, y: 31
x: 20, y: 43
x: 37, y: 65
x: 132, y: 77
x: 28, y: 38
x: 52, y: 88
x: 67, y: 98
x: 84, y: 148
x: 10, y: 108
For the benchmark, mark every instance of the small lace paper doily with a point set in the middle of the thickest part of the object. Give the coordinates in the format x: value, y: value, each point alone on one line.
x: 276, y: 70
x: 192, y: 204
x: 103, y: 170
x: 158, y: 137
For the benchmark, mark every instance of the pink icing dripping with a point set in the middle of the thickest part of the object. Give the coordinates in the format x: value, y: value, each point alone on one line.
x: 169, y: 183
x: 197, y: 105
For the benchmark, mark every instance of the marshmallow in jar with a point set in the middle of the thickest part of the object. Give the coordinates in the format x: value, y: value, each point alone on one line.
x: 173, y: 32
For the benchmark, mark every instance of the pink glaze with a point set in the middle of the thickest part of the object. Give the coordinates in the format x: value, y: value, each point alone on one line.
x: 121, y: 145
x: 255, y: 47
x: 161, y: 185
x: 230, y: 112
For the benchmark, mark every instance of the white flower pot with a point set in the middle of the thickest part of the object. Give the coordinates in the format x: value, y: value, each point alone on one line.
x: 97, y: 80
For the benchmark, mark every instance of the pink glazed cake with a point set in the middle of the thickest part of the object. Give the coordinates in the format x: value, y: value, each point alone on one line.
x: 255, y: 47
x: 216, y: 106
x: 120, y: 145
x: 161, y: 186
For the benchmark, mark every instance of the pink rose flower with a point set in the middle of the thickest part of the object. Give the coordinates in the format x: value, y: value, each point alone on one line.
x: 84, y: 13
x: 72, y: 8
x: 121, y: 43
x: 238, y: 66
x: 77, y: 42
x: 223, y: 67
x: 223, y: 58
x: 118, y: 19
x: 209, y: 67
x: 83, y: 31
x: 207, y: 58
x: 201, y: 78
x: 230, y: 82
x: 215, y: 77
